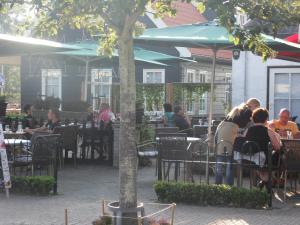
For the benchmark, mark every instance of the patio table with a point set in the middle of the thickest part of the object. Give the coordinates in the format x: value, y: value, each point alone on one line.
x: 17, y: 142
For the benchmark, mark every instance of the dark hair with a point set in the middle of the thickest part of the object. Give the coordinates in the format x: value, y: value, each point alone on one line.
x: 56, y: 112
x: 27, y: 108
x: 260, y: 115
x: 177, y: 109
x: 168, y: 107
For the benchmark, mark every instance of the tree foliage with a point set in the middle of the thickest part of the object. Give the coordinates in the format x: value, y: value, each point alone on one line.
x: 269, y: 15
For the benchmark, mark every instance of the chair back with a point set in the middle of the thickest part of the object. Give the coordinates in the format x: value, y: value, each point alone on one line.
x: 163, y: 130
x: 68, y: 136
x: 173, y: 146
x: 250, y: 148
x: 292, y: 155
x: 200, y: 131
x: 44, y: 148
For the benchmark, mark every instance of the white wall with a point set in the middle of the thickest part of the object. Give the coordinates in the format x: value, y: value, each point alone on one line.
x: 249, y: 77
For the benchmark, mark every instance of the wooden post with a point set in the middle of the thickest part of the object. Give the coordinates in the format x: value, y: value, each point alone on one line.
x: 66, y: 216
x: 103, y: 209
x: 173, y: 212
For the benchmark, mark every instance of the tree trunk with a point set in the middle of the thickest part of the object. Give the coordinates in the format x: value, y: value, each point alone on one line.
x: 127, y: 153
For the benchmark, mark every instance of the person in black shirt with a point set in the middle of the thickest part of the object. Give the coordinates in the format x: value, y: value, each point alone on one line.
x: 29, y: 121
x: 181, y: 120
x: 53, y: 121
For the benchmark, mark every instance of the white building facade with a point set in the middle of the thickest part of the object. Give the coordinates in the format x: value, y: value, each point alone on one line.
x: 276, y: 83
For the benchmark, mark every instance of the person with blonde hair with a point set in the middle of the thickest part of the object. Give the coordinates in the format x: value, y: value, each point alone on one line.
x: 253, y: 103
x: 226, y: 134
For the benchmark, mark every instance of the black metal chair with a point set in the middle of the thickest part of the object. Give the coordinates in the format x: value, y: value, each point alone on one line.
x: 200, y: 131
x: 68, y: 141
x: 19, y: 156
x: 45, y: 152
x: 291, y: 165
x: 173, y: 148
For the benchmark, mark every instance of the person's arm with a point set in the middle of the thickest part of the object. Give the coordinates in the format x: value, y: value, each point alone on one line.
x: 295, y: 130
x: 31, y: 131
x: 275, y: 139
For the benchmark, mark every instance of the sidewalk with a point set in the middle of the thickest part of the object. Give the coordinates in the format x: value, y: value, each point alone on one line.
x: 82, y: 189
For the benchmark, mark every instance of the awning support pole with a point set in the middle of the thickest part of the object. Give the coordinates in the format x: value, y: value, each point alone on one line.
x: 210, y: 115
x: 86, y: 79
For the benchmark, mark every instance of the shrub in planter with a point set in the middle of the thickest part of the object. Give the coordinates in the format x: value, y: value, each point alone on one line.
x: 104, y: 220
x: 37, y: 185
x: 213, y: 195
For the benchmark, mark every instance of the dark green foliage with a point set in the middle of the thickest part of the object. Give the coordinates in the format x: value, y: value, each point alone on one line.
x: 104, y: 220
x: 48, y: 103
x: 213, y: 195
x: 38, y: 185
x: 78, y: 106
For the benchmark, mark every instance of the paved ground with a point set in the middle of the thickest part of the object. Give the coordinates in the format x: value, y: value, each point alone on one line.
x: 82, y: 189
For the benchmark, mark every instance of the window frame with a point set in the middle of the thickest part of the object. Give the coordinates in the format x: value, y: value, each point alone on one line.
x: 95, y: 83
x: 162, y: 71
x: 46, y: 75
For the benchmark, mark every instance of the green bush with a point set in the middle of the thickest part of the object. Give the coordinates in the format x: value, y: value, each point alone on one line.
x: 213, y: 195
x: 39, y: 185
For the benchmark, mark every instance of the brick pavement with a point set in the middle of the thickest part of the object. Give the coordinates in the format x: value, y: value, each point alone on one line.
x: 81, y: 189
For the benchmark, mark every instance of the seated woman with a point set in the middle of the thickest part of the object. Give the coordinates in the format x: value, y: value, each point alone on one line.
x: 263, y: 135
x: 226, y: 134
x: 53, y: 121
x: 168, y: 116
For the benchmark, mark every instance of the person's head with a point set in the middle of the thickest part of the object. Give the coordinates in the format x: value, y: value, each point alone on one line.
x: 168, y: 107
x: 28, y: 109
x: 53, y: 115
x: 178, y: 111
x: 240, y: 115
x: 260, y: 115
x: 284, y: 116
x: 253, y: 103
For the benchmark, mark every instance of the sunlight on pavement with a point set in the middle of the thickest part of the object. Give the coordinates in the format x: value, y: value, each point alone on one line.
x: 229, y: 222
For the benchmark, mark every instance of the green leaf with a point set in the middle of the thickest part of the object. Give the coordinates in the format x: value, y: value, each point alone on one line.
x: 201, y: 7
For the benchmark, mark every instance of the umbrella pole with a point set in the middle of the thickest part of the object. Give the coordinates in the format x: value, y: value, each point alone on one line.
x: 86, y: 79
x: 210, y: 138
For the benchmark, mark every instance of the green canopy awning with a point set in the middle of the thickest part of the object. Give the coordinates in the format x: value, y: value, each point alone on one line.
x: 11, y: 45
x: 203, y: 35
x: 89, y: 49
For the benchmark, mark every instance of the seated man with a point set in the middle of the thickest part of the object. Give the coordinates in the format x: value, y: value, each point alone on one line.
x: 53, y: 121
x: 182, y: 121
x: 283, y: 125
x: 29, y: 121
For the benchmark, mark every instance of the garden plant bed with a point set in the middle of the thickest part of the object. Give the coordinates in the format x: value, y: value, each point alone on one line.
x: 211, y: 195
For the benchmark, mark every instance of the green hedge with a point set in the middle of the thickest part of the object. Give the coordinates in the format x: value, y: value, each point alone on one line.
x: 37, y: 185
x: 213, y: 195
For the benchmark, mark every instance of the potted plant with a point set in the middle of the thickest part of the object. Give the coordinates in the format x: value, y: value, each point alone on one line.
x: 3, y: 105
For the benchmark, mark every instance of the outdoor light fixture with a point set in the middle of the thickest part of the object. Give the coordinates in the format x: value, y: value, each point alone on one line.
x: 236, y: 54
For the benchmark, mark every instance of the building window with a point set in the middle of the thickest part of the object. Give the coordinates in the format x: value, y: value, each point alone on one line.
x: 51, y: 83
x: 193, y: 76
x: 101, y: 86
x: 202, y: 76
x: 153, y: 76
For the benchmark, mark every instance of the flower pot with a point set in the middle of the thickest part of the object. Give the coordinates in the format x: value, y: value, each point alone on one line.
x: 118, y: 212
